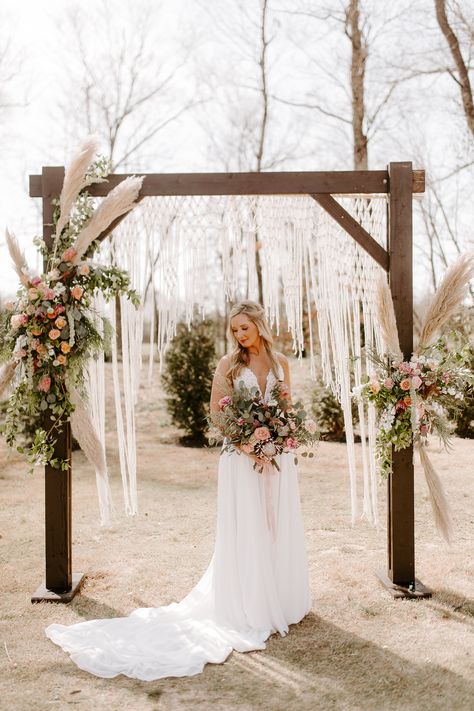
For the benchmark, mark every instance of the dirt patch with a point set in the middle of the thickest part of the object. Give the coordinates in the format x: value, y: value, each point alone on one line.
x: 358, y: 649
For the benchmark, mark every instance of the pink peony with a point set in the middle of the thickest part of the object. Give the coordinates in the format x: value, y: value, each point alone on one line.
x: 262, y: 433
x: 417, y: 381
x: 69, y: 254
x: 224, y: 401
x: 19, y: 320
x: 44, y: 384
x: 291, y: 443
x: 405, y: 384
x: 388, y: 382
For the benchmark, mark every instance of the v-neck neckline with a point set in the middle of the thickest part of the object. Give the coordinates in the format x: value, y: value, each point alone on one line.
x: 262, y: 392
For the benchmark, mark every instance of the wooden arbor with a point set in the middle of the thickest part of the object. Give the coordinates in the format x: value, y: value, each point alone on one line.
x: 399, y: 181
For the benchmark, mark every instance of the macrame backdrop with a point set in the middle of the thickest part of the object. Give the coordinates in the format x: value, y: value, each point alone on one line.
x: 184, y: 251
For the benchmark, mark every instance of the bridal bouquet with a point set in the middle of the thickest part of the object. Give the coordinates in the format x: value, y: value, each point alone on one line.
x: 263, y: 429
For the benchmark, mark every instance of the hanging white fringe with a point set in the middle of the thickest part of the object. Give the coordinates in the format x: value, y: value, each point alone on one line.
x: 308, y: 264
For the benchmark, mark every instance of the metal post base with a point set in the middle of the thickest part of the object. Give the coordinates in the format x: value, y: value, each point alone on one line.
x: 42, y: 594
x: 418, y: 590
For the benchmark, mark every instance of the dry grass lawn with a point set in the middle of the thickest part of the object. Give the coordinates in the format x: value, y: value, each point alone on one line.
x: 359, y: 649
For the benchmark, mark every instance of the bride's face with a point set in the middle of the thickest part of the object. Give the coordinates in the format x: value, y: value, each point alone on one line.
x: 245, y: 331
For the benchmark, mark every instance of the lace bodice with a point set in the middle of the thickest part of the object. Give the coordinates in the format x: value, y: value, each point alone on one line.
x: 249, y: 379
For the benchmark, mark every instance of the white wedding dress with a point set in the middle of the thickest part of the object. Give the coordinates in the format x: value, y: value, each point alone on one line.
x: 256, y: 584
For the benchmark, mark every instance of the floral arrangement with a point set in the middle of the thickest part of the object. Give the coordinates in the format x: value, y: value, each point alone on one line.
x: 261, y: 429
x: 50, y: 331
x: 412, y: 396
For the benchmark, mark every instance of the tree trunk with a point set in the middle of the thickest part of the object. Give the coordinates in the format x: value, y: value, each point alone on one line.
x: 358, y: 60
x: 463, y: 74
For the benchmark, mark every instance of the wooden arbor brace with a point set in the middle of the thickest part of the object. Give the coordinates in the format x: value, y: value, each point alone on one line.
x: 400, y: 181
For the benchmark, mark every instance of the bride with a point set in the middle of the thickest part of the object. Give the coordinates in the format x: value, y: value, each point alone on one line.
x: 257, y: 581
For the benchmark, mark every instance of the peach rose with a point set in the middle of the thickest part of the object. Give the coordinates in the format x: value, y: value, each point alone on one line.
x: 61, y: 359
x: 405, y: 384
x: 60, y: 322
x: 68, y: 254
x: 261, y: 433
x: 84, y: 270
x: 65, y: 347
x: 77, y: 292
x: 36, y: 331
x: 54, y: 334
x: 247, y: 448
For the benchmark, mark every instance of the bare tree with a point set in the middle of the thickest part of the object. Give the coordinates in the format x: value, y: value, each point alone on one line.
x: 461, y: 72
x: 119, y: 85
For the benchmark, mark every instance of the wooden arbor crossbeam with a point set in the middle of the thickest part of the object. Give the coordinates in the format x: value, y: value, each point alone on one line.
x: 399, y: 182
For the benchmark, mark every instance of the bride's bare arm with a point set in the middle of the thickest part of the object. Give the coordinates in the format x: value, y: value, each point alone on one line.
x: 285, y: 386
x: 220, y: 384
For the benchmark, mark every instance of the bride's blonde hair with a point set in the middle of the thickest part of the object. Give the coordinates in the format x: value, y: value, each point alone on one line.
x: 239, y: 356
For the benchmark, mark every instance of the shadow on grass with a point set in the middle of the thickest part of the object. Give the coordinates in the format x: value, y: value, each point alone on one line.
x: 318, y: 666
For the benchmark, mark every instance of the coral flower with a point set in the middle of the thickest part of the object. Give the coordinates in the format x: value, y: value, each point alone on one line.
x: 54, y: 334
x: 77, y: 292
x: 36, y: 331
x: 65, y: 347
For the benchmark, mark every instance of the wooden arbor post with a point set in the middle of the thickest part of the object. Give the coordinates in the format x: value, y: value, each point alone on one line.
x: 60, y: 584
x: 400, y: 182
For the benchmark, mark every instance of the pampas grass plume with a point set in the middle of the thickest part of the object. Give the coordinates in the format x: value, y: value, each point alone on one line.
x: 118, y: 202
x: 6, y: 375
x: 447, y: 299
x: 18, y: 258
x: 387, y: 320
x: 74, y: 180
x: 439, y: 504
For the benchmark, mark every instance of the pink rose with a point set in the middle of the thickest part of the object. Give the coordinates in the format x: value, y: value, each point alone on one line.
x: 69, y: 254
x: 44, y: 384
x: 54, y: 334
x: 36, y: 281
x: 247, y: 448
x: 224, y: 401
x: 262, y: 433
x: 77, y: 292
x: 405, y: 384
x: 405, y: 368
x: 49, y: 294
x: 291, y: 443
x: 388, y: 382
x: 417, y: 381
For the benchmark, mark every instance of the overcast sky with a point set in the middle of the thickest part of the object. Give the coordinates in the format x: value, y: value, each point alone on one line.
x: 212, y: 50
